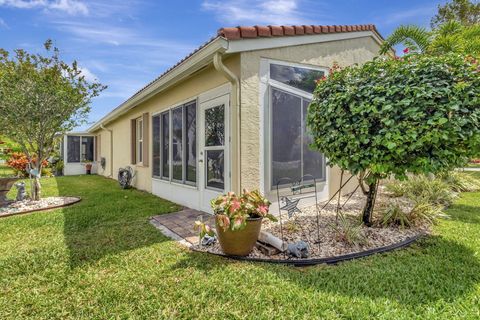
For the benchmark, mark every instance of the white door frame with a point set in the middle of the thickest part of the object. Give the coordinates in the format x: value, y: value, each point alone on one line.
x: 208, y: 193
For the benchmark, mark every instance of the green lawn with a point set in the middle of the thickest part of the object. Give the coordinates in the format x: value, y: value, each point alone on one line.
x: 5, y: 171
x: 101, y: 259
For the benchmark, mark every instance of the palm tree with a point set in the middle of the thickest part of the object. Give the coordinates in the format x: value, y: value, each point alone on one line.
x: 451, y: 36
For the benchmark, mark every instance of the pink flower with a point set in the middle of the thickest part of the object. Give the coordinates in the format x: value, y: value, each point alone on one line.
x: 406, y: 50
x: 234, y: 206
x: 263, y: 209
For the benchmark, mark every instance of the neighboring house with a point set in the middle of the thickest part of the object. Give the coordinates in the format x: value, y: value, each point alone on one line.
x: 231, y: 115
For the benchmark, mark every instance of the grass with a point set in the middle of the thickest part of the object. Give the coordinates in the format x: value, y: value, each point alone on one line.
x: 101, y: 259
x: 6, y: 171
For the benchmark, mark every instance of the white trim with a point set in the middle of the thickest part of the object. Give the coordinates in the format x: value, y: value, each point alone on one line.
x: 265, y: 118
x: 276, y: 42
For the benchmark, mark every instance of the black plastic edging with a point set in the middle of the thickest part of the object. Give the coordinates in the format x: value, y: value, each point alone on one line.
x: 329, y: 260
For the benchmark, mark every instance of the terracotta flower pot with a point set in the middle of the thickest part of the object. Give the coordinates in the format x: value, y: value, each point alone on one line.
x: 239, y: 242
x: 88, y: 168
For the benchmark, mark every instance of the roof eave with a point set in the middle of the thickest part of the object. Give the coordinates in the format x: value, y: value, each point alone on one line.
x: 198, y: 60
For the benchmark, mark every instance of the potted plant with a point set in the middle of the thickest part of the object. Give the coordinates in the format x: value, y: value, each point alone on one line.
x: 238, y: 220
x: 88, y: 167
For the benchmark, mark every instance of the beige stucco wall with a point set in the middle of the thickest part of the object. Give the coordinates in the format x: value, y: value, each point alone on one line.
x: 190, y: 88
x: 344, y: 52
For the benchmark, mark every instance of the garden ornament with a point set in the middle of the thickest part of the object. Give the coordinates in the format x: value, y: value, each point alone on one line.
x: 125, y: 176
x: 290, y: 206
x: 298, y: 249
x: 208, y: 240
x: 21, y: 192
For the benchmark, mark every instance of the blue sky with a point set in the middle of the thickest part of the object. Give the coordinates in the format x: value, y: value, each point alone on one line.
x: 125, y: 44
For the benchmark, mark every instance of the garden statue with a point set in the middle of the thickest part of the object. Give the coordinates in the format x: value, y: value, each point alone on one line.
x: 208, y: 240
x: 21, y: 192
x: 298, y: 249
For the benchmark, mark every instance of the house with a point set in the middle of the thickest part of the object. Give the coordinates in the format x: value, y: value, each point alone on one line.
x: 231, y: 115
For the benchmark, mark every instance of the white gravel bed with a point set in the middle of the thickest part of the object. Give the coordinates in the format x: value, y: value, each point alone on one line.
x: 24, y: 206
x: 303, y: 227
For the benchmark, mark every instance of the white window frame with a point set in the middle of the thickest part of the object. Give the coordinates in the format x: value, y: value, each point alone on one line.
x: 168, y: 111
x: 266, y: 83
x: 65, y: 148
x: 139, y: 141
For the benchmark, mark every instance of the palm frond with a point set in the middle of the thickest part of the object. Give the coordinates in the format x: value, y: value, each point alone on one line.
x: 411, y: 34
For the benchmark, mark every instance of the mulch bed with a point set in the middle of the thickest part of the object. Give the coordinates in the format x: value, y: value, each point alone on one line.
x: 28, y: 206
x: 303, y: 227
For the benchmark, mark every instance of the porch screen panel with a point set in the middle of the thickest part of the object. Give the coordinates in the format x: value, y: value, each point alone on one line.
x: 313, y: 161
x: 156, y: 146
x: 87, y: 150
x: 73, y: 149
x: 165, y: 150
x: 191, y: 142
x: 286, y: 136
x: 177, y: 144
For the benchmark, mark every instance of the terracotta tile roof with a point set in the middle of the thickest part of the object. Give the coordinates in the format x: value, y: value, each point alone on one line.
x: 242, y: 32
x: 237, y: 33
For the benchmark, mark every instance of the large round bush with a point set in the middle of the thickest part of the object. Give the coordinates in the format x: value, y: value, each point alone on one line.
x: 417, y: 114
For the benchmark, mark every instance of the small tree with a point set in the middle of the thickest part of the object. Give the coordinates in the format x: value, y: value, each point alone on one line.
x: 418, y: 114
x: 464, y: 11
x: 41, y: 97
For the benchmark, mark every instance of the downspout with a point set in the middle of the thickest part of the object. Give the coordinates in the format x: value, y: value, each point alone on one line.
x: 235, y: 81
x: 111, y: 148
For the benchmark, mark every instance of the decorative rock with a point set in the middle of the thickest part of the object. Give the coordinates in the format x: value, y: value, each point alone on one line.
x: 298, y: 249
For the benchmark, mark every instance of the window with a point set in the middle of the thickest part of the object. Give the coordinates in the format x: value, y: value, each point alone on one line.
x: 300, y: 78
x: 139, y: 140
x: 73, y: 149
x: 80, y: 148
x: 176, y: 128
x: 156, y: 145
x: 290, y: 154
x: 87, y: 149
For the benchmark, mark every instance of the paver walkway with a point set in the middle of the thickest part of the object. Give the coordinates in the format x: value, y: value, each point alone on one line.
x: 181, y: 223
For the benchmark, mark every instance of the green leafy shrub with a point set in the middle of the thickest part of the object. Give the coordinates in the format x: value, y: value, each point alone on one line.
x: 390, y: 117
x: 422, y: 189
x: 348, y: 231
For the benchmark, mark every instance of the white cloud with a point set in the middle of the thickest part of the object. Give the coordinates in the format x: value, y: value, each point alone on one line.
x: 89, y: 75
x: 72, y: 7
x: 277, y: 12
x: 3, y: 24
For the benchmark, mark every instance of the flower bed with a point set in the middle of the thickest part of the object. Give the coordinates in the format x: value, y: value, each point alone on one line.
x: 303, y: 227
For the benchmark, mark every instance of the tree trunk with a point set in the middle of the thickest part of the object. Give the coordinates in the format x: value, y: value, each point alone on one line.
x: 37, y: 188
x: 368, y: 209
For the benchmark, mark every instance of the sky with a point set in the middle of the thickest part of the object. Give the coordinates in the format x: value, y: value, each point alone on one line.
x: 126, y: 44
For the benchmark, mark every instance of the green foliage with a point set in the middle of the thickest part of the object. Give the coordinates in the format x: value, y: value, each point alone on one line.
x: 465, y: 12
x: 101, y: 258
x: 422, y: 213
x: 348, y: 231
x: 449, y: 37
x: 416, y: 38
x: 419, y: 114
x: 41, y: 97
x: 460, y: 182
x: 422, y: 189
x: 232, y: 211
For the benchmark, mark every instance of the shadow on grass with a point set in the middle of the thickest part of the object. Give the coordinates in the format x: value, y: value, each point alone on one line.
x: 108, y: 220
x: 464, y: 213
x: 434, y: 269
